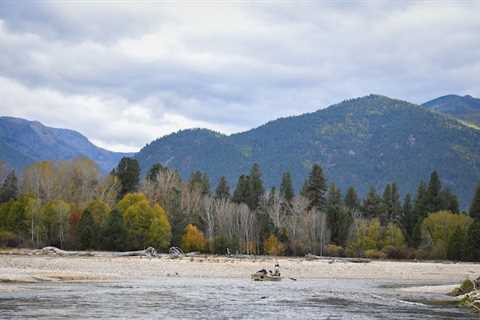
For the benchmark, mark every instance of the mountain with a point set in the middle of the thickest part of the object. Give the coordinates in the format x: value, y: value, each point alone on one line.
x: 368, y: 141
x: 23, y: 142
x: 466, y: 108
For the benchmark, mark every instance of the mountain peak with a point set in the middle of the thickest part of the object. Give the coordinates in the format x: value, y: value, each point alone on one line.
x: 23, y: 142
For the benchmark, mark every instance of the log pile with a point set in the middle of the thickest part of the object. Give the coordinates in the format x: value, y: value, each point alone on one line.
x: 469, y: 294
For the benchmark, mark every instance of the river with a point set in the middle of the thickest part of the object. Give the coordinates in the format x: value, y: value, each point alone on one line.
x: 197, y: 298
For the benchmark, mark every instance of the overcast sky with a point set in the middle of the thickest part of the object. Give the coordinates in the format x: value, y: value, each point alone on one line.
x: 124, y: 73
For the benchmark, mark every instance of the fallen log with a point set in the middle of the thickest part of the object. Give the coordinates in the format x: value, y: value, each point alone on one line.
x: 55, y: 251
x: 149, y: 252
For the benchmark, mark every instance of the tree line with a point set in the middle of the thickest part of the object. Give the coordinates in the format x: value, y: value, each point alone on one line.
x: 70, y: 205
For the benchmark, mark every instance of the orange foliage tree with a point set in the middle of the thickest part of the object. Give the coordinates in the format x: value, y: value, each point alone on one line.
x: 193, y: 239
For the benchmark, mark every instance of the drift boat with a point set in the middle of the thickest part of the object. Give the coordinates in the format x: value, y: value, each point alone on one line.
x: 260, y: 276
x: 263, y: 275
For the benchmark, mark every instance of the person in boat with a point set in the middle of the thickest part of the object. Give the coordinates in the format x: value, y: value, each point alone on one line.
x: 262, y: 271
x: 277, y: 270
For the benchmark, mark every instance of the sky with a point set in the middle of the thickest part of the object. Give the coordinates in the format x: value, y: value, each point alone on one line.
x: 125, y: 73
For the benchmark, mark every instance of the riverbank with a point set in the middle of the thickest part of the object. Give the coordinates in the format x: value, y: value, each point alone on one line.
x: 21, y: 266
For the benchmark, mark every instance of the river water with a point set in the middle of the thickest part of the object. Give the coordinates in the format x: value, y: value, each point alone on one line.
x: 187, y: 298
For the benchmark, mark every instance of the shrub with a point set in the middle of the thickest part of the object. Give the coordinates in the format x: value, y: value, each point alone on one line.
x: 374, y: 254
x: 333, y: 250
x: 392, y: 252
x: 7, y: 239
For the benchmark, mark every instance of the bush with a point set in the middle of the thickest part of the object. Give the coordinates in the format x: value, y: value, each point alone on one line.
x: 392, y: 252
x: 333, y: 250
x: 8, y: 239
x: 374, y: 254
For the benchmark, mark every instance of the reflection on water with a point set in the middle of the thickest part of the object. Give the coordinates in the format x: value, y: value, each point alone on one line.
x: 184, y: 298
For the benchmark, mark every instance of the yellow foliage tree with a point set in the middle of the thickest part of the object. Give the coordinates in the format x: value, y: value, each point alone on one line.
x: 99, y: 211
x: 273, y: 247
x: 393, y: 236
x: 193, y: 239
x: 146, y: 225
x: 437, y: 229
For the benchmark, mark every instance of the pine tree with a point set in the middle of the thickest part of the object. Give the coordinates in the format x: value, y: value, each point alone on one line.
x: 421, y: 205
x: 351, y: 199
x: 391, y: 203
x: 114, y: 232
x: 286, y: 188
x: 475, y: 205
x: 255, y: 190
x: 372, y: 206
x: 473, y: 241
x: 408, y: 219
x: 154, y: 171
x: 240, y: 195
x: 339, y: 219
x: 9, y: 188
x: 223, y: 190
x: 449, y: 201
x: 315, y: 188
x: 434, y: 202
x: 128, y: 172
x: 87, y: 231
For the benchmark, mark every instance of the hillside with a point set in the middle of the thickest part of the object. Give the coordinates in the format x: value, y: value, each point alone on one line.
x: 371, y: 140
x: 466, y: 108
x: 23, y: 142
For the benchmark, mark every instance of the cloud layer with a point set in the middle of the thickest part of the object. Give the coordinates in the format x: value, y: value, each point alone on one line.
x: 124, y: 74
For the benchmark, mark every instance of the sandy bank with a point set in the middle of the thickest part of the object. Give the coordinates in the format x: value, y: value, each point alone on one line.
x: 25, y: 268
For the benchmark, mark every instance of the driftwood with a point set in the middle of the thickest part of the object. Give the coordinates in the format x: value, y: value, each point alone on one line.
x: 175, y: 253
x: 469, y: 294
x: 60, y: 252
x: 149, y: 252
x: 311, y: 257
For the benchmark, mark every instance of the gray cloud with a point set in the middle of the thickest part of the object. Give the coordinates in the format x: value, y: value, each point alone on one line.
x: 124, y: 74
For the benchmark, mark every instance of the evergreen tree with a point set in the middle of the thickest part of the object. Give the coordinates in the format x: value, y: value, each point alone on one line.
x: 408, y: 219
x: 391, y: 203
x: 286, y: 188
x: 434, y: 201
x: 255, y: 189
x: 240, y: 195
x: 154, y: 171
x: 205, y: 184
x: 421, y: 199
x: 456, y: 245
x: 351, y: 199
x: 372, y: 206
x: 9, y: 188
x: 223, y: 190
x: 475, y: 205
x: 338, y: 217
x: 114, y: 232
x: 315, y: 188
x: 449, y: 201
x: 87, y: 231
x: 128, y: 172
x: 473, y: 241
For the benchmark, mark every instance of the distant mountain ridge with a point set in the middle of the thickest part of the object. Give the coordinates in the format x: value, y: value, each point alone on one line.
x: 465, y: 108
x: 372, y: 140
x: 23, y: 142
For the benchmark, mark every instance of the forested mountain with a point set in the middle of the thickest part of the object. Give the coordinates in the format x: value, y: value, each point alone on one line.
x: 368, y: 141
x: 466, y: 108
x: 24, y: 142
